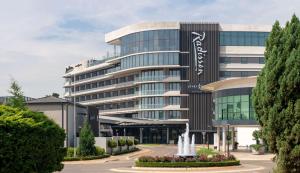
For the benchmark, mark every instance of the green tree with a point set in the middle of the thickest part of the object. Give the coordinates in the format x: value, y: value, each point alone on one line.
x: 30, y: 142
x: 55, y: 95
x: 276, y: 97
x: 17, y: 100
x: 86, y: 140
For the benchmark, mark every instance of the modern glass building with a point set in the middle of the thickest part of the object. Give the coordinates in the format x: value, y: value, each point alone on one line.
x: 153, y: 84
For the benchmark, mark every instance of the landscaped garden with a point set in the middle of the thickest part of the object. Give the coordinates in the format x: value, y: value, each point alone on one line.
x: 204, y: 158
x: 88, y: 151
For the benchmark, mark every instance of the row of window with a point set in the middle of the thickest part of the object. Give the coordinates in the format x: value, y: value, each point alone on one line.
x: 120, y: 105
x: 238, y: 107
x: 242, y: 60
x: 228, y: 74
x: 156, y: 40
x: 145, y: 103
x: 158, y: 102
x: 161, y: 115
x: 146, y: 89
x: 150, y: 59
x: 149, y: 75
x: 240, y: 38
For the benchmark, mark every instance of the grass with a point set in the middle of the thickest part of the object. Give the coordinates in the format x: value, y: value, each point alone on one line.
x: 206, y: 151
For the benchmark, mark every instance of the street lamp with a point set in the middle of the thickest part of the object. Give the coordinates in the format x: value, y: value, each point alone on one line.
x: 228, y: 138
x: 74, y: 117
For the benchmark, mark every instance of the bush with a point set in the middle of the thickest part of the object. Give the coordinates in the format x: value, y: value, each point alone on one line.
x: 111, y: 144
x: 129, y: 142
x: 29, y: 142
x: 187, y: 164
x: 121, y: 142
x: 100, y: 151
x: 86, y: 141
x: 136, y: 142
x: 70, y: 151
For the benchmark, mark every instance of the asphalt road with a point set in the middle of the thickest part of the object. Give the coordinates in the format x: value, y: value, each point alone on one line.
x: 125, y: 162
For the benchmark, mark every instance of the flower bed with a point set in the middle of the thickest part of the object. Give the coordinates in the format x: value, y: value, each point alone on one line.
x: 198, y: 161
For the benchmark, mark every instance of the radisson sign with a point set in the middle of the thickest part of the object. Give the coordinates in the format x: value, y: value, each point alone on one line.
x: 199, y: 52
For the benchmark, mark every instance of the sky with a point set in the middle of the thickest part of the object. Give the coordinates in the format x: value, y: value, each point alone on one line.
x: 40, y: 38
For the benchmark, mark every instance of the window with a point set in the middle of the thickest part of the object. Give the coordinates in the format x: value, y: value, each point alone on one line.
x: 239, y: 38
x: 236, y: 107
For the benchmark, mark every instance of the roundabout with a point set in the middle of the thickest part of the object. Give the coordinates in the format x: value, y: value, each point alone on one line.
x: 125, y: 163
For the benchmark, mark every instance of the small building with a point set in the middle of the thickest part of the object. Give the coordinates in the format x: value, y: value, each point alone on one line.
x: 233, y: 111
x: 62, y: 112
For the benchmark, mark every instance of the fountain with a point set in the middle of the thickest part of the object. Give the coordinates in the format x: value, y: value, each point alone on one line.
x: 185, y: 149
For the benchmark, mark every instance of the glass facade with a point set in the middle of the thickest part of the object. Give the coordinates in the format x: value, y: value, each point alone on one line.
x: 147, y: 41
x: 234, y: 107
x: 242, y: 60
x: 242, y: 38
x: 228, y: 74
x: 150, y: 59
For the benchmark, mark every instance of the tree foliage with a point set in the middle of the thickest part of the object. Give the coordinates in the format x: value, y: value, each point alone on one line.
x: 276, y: 97
x: 17, y: 100
x: 86, y: 140
x: 29, y: 142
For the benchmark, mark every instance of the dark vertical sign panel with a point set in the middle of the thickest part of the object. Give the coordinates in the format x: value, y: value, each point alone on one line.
x: 199, y: 44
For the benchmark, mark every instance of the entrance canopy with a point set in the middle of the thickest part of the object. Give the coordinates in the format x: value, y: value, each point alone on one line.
x: 131, y: 121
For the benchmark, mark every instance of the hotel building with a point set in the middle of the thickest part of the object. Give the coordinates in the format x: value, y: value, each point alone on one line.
x: 166, y: 74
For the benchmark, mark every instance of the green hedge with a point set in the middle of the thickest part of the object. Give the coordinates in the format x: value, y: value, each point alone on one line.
x: 85, y: 158
x: 29, y: 142
x: 125, y: 151
x: 187, y: 164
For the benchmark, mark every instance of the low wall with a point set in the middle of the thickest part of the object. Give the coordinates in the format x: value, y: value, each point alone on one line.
x: 102, y: 142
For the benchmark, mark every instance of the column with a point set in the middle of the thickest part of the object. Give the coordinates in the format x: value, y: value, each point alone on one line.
x: 124, y: 131
x: 141, y: 135
x: 218, y: 138
x: 168, y: 135
x: 232, y: 138
x: 224, y: 139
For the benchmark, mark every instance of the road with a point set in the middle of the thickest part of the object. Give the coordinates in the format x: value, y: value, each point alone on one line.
x: 124, y: 163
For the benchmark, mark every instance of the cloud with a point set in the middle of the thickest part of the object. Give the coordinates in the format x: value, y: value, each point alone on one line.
x: 40, y: 38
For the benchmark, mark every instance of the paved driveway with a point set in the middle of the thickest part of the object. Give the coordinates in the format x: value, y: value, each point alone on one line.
x: 124, y: 163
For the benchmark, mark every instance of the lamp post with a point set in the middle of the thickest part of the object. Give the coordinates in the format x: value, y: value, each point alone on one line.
x: 228, y: 140
x: 74, y: 117
x: 208, y: 137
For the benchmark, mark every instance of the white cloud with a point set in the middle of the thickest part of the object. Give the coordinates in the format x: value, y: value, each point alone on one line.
x: 40, y: 38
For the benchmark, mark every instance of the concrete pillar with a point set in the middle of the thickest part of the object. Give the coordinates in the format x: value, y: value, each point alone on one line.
x: 141, y: 135
x: 124, y: 131
x: 218, y: 138
x: 167, y: 135
x: 224, y: 139
x: 232, y: 138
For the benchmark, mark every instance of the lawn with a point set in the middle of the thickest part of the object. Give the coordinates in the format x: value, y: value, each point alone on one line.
x: 206, y: 151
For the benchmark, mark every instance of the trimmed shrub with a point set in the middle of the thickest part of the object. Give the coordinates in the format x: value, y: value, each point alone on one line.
x: 29, y: 142
x: 136, y: 141
x: 100, y: 151
x: 86, y: 141
x: 129, y: 142
x: 111, y: 144
x: 121, y: 142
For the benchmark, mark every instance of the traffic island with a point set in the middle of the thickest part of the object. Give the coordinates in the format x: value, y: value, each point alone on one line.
x: 217, y: 160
